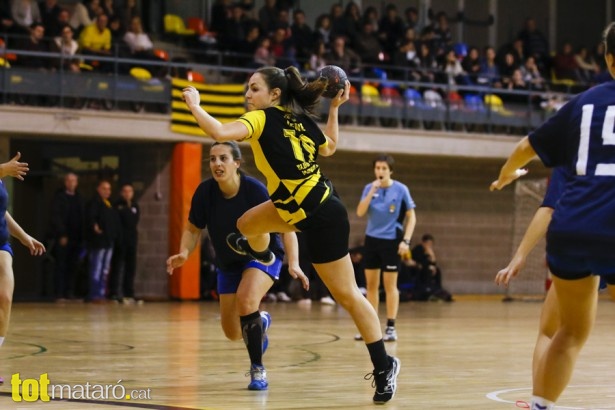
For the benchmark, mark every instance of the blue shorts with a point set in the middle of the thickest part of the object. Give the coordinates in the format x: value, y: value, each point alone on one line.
x: 228, y: 281
x: 578, y: 267
x: 7, y: 248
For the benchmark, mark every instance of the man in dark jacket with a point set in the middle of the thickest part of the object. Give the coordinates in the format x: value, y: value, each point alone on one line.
x: 121, y: 283
x: 102, y: 230
x: 67, y: 218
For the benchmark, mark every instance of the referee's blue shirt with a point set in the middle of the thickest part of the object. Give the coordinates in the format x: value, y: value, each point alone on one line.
x: 384, y: 215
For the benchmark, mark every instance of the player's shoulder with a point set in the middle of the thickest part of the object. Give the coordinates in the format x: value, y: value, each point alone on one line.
x: 600, y: 94
x: 252, y: 182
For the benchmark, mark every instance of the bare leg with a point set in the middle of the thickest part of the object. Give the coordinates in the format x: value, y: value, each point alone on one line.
x: 549, y: 322
x: 577, y: 301
x: 256, y: 224
x: 338, y: 276
x: 7, y: 284
x: 372, y: 283
x: 390, y: 287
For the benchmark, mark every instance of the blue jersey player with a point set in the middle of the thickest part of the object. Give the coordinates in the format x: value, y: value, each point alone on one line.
x: 242, y: 282
x: 581, y: 235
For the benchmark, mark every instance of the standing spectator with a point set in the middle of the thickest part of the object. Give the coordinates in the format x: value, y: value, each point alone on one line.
x: 565, y: 65
x: 390, y: 224
x: 67, y: 228
x: 267, y: 16
x: 35, y: 43
x: 366, y: 44
x: 489, y: 72
x: 534, y: 43
x: 371, y: 14
x: 102, y: 231
x: 49, y: 10
x: 219, y: 14
x: 25, y: 13
x: 322, y: 31
x: 55, y: 27
x: 127, y: 12
x: 302, y: 37
x: 84, y: 14
x: 124, y: 267
x: 391, y: 29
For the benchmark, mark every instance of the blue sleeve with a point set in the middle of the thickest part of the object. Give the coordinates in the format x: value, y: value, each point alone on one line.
x: 198, y: 207
x: 549, y: 140
x: 366, y: 190
x: 556, y: 186
x: 408, y: 199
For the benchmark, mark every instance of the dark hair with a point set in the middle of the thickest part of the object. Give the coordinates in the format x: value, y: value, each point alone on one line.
x: 384, y: 158
x: 609, y: 39
x: 295, y: 92
x: 235, y: 151
x: 427, y: 237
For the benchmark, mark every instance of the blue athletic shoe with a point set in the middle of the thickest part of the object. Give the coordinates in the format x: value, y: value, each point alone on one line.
x: 266, y: 317
x: 258, y: 378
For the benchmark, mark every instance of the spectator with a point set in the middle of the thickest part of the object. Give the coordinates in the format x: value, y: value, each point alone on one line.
x: 343, y: 57
x: 249, y: 44
x: 427, y: 63
x: 35, y: 43
x: 49, y: 10
x: 317, y: 59
x: 95, y: 40
x: 588, y: 69
x: 84, y: 14
x: 138, y: 41
x: 7, y: 24
x: 110, y: 10
x: 453, y: 70
x: 534, y: 43
x: 371, y: 14
x: 282, y: 49
x: 67, y: 47
x: 429, y: 281
x: 336, y: 14
x: 442, y: 32
x: 235, y: 29
x: 220, y: 13
x: 127, y: 12
x: 102, y: 231
x: 351, y: 23
x: 24, y: 14
x: 532, y: 75
x: 507, y: 68
x: 407, y: 55
x: 54, y: 29
x: 322, y: 30
x: 471, y: 65
x: 367, y: 45
x: 565, y: 66
x: 302, y: 37
x: 391, y: 30
x: 262, y: 55
x: 267, y: 16
x: 67, y: 228
x: 412, y: 19
x: 489, y: 72
x: 517, y: 83
x: 122, y: 280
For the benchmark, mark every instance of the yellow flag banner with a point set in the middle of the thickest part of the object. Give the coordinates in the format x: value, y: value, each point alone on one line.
x: 225, y: 102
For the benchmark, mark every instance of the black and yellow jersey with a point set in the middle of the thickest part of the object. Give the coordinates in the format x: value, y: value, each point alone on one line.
x: 285, y: 147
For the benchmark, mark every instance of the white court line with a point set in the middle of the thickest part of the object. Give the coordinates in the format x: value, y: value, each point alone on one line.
x: 494, y: 396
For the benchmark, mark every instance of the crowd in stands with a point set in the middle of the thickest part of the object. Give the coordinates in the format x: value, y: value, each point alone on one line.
x: 386, y: 44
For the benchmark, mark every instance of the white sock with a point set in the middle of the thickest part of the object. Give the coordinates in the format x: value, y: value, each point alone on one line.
x: 538, y: 403
x: 1, y: 340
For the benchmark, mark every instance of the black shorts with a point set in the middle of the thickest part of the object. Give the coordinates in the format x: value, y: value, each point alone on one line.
x: 572, y: 267
x: 326, y: 231
x: 381, y: 254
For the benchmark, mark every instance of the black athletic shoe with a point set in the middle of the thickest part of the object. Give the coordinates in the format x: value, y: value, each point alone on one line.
x: 385, y: 382
x: 239, y: 244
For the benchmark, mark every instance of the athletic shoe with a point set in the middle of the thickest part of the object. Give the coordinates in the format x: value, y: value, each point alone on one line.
x: 390, y: 335
x: 258, y: 378
x: 239, y: 244
x: 266, y: 317
x: 385, y: 381
x: 327, y: 300
x: 358, y: 336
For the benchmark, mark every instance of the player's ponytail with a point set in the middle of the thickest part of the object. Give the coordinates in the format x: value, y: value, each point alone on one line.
x: 303, y: 93
x: 609, y: 39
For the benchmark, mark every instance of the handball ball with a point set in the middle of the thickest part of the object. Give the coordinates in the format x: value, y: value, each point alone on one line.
x: 337, y: 79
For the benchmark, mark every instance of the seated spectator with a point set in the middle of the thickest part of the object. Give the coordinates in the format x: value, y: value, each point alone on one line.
x: 429, y: 281
x: 588, y: 69
x: 282, y: 49
x: 54, y: 29
x: 507, y: 68
x: 24, y: 13
x: 532, y: 76
x: 138, y: 41
x: 427, y: 63
x: 96, y: 38
x: 564, y: 64
x: 35, y: 43
x: 443, y: 37
x: 267, y: 16
x: 371, y: 14
x: 322, y: 31
x: 534, y: 43
x: 343, y: 57
x: 317, y: 59
x: 262, y: 55
x: 489, y: 72
x: 352, y: 24
x: 471, y: 65
x: 453, y: 70
x: 407, y: 55
x: 516, y: 83
x: 67, y: 47
x: 249, y: 44
x: 390, y: 29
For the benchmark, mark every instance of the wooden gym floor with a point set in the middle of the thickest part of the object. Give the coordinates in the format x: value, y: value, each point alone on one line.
x: 470, y: 354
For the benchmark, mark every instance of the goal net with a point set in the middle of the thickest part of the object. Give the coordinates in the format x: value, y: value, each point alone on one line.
x: 530, y: 283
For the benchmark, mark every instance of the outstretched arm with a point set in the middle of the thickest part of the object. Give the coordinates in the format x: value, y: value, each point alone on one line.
x: 535, y: 231
x: 36, y: 248
x: 190, y: 238
x: 522, y: 154
x: 291, y: 246
x: 231, y: 131
x: 332, y: 127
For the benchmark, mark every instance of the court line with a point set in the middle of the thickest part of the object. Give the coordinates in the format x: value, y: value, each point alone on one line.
x: 494, y: 396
